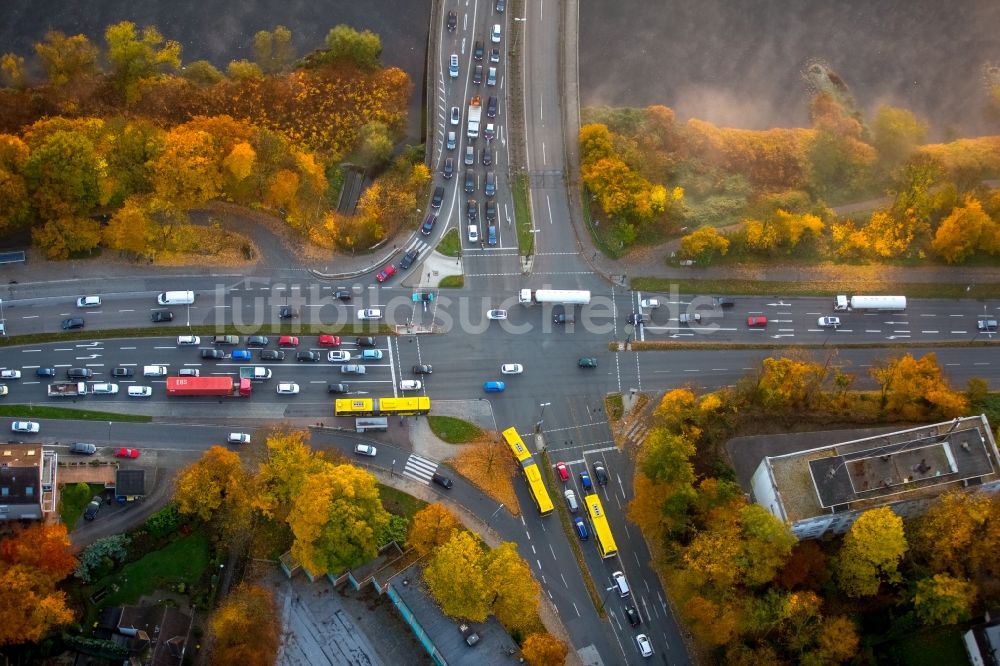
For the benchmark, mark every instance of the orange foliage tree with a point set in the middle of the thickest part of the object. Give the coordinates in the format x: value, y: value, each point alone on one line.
x: 246, y: 628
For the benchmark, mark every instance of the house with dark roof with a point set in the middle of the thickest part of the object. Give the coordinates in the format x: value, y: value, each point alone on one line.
x: 27, y: 482
x: 156, y: 635
x: 130, y: 484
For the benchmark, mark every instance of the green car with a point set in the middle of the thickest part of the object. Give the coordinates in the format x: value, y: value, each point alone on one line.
x: 587, y: 362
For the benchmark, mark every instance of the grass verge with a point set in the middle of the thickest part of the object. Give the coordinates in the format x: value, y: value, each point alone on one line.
x: 452, y: 282
x: 72, y: 501
x: 399, y: 503
x: 450, y: 244
x: 614, y: 407
x: 522, y: 213
x: 600, y: 235
x: 49, y: 412
x: 564, y: 520
x: 807, y: 288
x: 454, y: 431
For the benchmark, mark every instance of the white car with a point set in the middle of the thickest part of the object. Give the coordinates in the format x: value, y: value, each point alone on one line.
x: 828, y: 322
x: 410, y: 385
x: 238, y: 438
x: 88, y: 302
x: 511, y: 369
x: 185, y: 340
x: 456, y: 115
x: 364, y: 449
x: 453, y: 66
x: 495, y: 35
x: 369, y: 314
x: 496, y: 314
x: 140, y: 391
x: 24, y: 426
x: 473, y: 233
x: 287, y: 388
x: 338, y: 356
x: 10, y: 374
x: 645, y: 647
x: 649, y: 303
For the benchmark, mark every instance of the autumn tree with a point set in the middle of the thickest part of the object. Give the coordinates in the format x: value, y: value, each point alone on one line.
x: 839, y: 158
x: 202, y: 73
x: 67, y: 236
x: 62, y: 175
x: 871, y: 552
x: 246, y: 628
x: 244, y: 70
x: 805, y: 567
x: 375, y: 145
x: 714, y: 623
x: 336, y: 519
x: 12, y: 74
x: 188, y: 172
x: 785, y: 384
x: 781, y: 230
x: 897, y: 133
x: 216, y: 487
x: 513, y: 591
x: 958, y: 534
x: 704, y: 245
x: 32, y: 562
x: 666, y: 457
x: 15, y: 205
x: 432, y: 526
x: 915, y: 389
x: 129, y: 149
x: 965, y: 231
x: 456, y: 578
x: 544, y: 650
x: 130, y: 229
x: 944, y: 599
x: 65, y: 59
x: 273, y: 50
x: 344, y: 43
x: 136, y: 56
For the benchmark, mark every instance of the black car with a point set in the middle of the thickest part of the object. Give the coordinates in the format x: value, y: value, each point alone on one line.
x: 472, y: 209
x: 438, y: 197
x: 95, y: 505
x: 342, y: 294
x: 601, y: 475
x: 470, y: 182
x: 637, y: 319
x: 561, y: 319
x: 79, y: 373
x: 128, y: 372
x: 477, y: 75
x: 423, y: 369
x: 491, y: 107
x: 161, y: 316
x: 724, y: 302
x: 441, y: 480
x: 257, y: 341
x: 309, y: 356
x: 287, y: 312
x: 477, y: 51
x: 45, y: 372
x: 366, y: 342
x: 449, y: 168
x: 501, y: 4
x: 487, y: 156
x: 491, y: 210
x: 428, y: 226
x: 587, y: 362
x: 452, y: 20
x: 212, y: 354
x: 338, y: 388
x: 82, y: 448
x: 272, y: 355
x: 408, y: 259
x: 72, y: 322
x: 632, y: 613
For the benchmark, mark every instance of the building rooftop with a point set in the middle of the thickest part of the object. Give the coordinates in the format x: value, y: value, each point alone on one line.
x: 20, y: 481
x: 885, y: 468
x: 495, y: 646
x: 130, y: 482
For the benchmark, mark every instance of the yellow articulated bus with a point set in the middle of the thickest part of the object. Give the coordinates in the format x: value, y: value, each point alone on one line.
x: 381, y: 406
x: 602, y: 531
x: 532, y: 475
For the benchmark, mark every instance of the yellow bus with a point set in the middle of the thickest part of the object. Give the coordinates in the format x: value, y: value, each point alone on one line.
x: 532, y: 475
x: 381, y: 406
x: 602, y: 531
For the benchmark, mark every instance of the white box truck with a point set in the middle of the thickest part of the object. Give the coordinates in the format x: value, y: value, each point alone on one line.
x: 563, y: 296
x: 475, y: 113
x: 882, y: 303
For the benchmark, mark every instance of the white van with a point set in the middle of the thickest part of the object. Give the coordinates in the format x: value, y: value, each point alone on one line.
x: 176, y: 298
x: 154, y: 371
x: 104, y: 388
x: 621, y: 584
x: 140, y: 391
x: 88, y: 302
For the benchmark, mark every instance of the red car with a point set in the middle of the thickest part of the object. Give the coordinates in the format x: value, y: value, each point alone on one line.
x: 386, y: 273
x: 288, y: 341
x: 329, y: 341
x: 756, y: 321
x: 562, y: 472
x: 126, y: 453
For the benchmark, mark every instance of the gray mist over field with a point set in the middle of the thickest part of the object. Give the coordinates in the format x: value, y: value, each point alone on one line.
x: 739, y: 63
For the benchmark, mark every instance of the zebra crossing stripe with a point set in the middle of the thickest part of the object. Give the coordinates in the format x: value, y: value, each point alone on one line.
x: 419, y: 468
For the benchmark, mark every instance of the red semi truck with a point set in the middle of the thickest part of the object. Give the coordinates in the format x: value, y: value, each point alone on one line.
x: 213, y: 386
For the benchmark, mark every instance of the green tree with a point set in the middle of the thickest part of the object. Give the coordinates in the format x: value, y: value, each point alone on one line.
x: 666, y: 457
x: 944, y: 599
x: 344, y: 43
x: 65, y: 59
x: 375, y: 144
x: 202, y: 73
x: 897, y: 133
x: 766, y: 545
x: 455, y: 578
x: 244, y: 70
x: 871, y: 553
x: 137, y: 56
x: 62, y: 175
x: 273, y: 51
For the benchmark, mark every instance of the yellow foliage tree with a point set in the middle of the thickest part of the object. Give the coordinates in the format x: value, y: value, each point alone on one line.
x: 431, y: 527
x: 240, y: 160
x: 957, y: 534
x: 455, y: 578
x: 544, y: 650
x: 944, y: 599
x: 965, y: 231
x: 130, y: 228
x: 216, y: 487
x: 246, y: 628
x: 713, y: 623
x: 704, y: 244
x: 915, y: 389
x: 871, y: 552
x: 513, y: 590
x: 188, y: 172
x: 282, y: 476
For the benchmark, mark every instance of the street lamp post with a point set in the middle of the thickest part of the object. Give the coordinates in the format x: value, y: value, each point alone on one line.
x: 605, y: 599
x: 493, y: 516
x: 538, y: 425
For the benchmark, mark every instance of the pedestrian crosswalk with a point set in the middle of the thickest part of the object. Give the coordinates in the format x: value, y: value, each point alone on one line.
x: 417, y: 244
x: 419, y: 468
